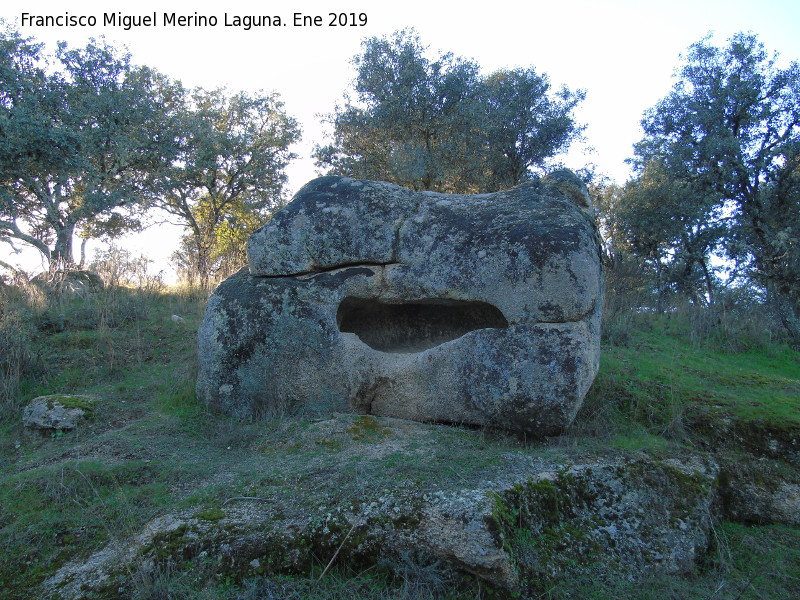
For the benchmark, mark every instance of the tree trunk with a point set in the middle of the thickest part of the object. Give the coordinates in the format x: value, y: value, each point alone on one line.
x: 83, y: 253
x: 203, y: 259
x: 660, y: 293
x: 709, y: 282
x: 789, y: 314
x: 61, y: 259
x: 778, y: 264
x: 787, y: 307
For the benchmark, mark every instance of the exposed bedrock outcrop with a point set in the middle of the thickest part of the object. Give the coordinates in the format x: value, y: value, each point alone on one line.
x: 520, y: 524
x: 369, y: 297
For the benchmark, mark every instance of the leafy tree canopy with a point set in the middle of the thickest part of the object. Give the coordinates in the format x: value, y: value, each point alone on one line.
x: 727, y: 138
x: 229, y: 176
x: 440, y: 125
x: 674, y: 229
x: 81, y: 134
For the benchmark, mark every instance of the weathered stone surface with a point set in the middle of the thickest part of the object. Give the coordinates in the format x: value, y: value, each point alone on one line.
x: 759, y: 490
x: 759, y: 478
x: 58, y: 411
x: 749, y: 502
x: 520, y: 525
x: 72, y: 283
x: 369, y: 297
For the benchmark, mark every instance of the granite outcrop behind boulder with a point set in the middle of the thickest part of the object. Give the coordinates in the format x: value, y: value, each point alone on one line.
x: 370, y: 297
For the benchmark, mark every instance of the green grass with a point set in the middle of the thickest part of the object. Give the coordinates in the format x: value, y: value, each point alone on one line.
x: 58, y: 512
x: 152, y: 449
x: 659, y: 381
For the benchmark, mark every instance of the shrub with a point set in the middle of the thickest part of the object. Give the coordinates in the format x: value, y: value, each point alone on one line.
x: 16, y: 354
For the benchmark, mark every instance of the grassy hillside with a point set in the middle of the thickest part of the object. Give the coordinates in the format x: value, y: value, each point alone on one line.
x: 150, y: 448
x: 663, y: 383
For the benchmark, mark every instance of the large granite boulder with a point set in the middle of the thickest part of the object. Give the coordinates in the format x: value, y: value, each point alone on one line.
x: 365, y: 296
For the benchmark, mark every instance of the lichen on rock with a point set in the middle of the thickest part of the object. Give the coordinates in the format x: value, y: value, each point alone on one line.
x: 57, y: 412
x: 364, y: 296
x: 519, y: 524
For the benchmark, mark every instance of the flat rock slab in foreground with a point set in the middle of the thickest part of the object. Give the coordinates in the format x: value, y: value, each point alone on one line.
x: 376, y: 491
x: 368, y: 297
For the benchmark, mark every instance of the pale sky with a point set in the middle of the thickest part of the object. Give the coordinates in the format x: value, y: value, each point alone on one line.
x: 622, y: 52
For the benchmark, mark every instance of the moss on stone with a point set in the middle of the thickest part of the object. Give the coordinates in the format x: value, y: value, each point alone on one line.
x: 84, y: 403
x: 168, y: 544
x: 211, y: 514
x: 539, y: 528
x: 366, y: 429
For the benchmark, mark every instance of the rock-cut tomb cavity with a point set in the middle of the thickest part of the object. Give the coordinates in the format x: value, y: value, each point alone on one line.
x: 414, y: 326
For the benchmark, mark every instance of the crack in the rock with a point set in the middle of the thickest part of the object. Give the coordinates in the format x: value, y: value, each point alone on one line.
x: 577, y: 319
x: 339, y: 267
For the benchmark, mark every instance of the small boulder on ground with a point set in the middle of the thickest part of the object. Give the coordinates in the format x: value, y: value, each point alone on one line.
x: 57, y: 412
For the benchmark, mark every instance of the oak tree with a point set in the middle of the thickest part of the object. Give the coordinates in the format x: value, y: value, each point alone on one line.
x: 81, y: 135
x: 438, y: 124
x: 730, y: 131
x: 229, y: 176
